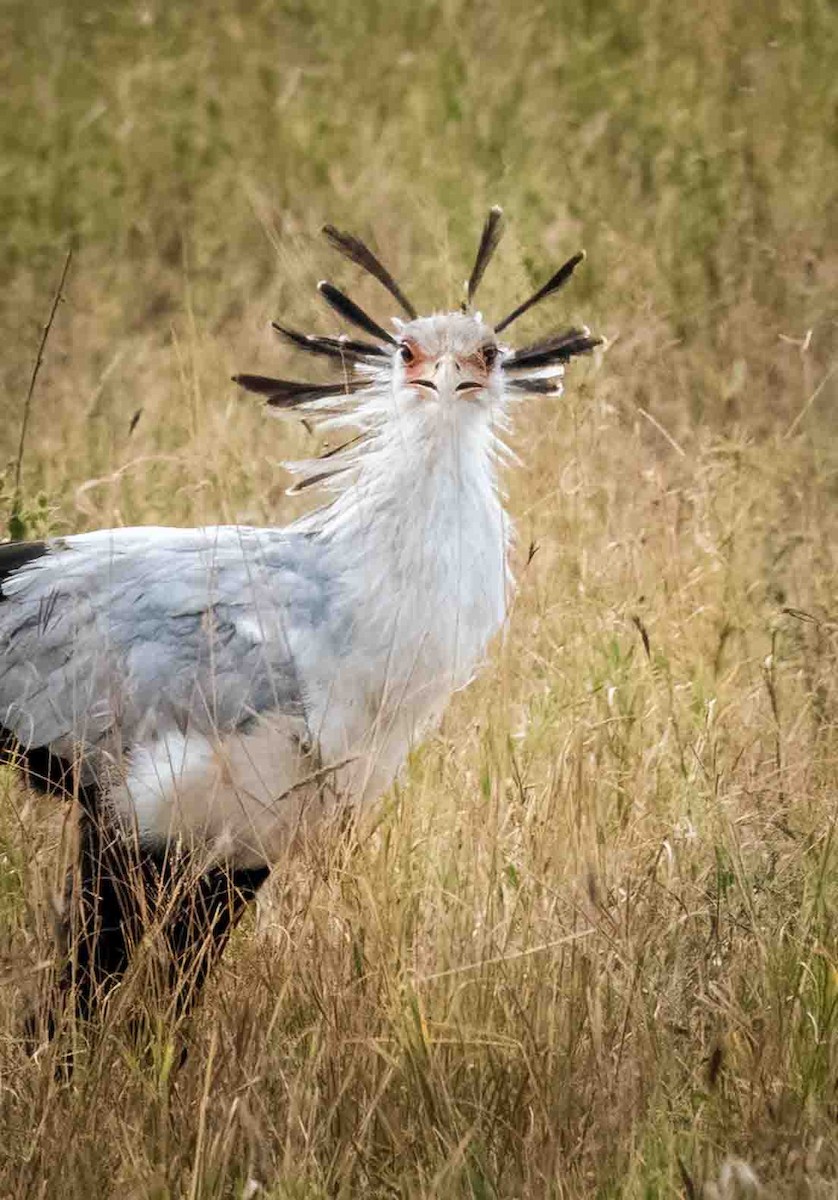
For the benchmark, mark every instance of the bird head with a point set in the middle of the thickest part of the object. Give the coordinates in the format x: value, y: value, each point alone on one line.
x: 448, y: 359
x: 446, y: 365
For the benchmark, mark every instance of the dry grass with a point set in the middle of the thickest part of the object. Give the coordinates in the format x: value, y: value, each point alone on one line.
x: 587, y: 947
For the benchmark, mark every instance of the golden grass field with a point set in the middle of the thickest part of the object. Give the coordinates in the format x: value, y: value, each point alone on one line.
x: 587, y: 947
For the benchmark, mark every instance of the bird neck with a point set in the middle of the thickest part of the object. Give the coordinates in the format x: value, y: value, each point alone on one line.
x: 420, y: 540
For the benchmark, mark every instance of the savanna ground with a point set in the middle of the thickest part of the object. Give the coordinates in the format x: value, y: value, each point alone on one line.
x: 588, y: 945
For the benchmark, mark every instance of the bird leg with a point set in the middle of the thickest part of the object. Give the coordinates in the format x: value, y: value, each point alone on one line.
x: 103, y: 919
x: 196, y: 913
x: 106, y: 913
x: 114, y: 895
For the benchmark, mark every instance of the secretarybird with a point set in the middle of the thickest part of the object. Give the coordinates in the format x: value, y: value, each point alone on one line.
x: 206, y: 696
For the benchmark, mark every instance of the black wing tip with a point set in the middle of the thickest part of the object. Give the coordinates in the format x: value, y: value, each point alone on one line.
x: 14, y: 555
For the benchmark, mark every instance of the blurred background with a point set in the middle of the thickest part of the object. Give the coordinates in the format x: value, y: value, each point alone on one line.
x: 589, y: 948
x: 191, y: 154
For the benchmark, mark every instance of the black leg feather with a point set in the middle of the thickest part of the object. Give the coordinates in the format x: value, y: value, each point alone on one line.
x: 117, y: 893
x: 197, y: 927
x: 102, y: 922
x: 104, y: 914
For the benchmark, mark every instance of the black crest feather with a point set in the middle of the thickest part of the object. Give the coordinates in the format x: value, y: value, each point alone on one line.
x: 356, y: 251
x: 526, y: 369
x: 537, y: 387
x: 558, y: 348
x: 329, y: 347
x: 350, y: 312
x: 552, y: 285
x: 288, y: 393
x: 489, y: 238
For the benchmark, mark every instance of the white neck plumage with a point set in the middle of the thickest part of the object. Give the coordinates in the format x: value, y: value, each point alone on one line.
x: 418, y: 540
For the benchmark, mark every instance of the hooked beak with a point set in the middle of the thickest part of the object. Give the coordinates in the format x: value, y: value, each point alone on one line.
x: 449, y: 378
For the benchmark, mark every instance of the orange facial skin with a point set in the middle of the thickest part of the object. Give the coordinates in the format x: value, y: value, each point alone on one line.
x: 416, y: 362
x: 471, y: 373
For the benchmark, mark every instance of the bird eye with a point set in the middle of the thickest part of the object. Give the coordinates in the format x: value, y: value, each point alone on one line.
x: 407, y: 355
x: 490, y: 356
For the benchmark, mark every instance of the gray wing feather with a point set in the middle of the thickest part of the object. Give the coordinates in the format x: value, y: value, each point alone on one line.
x: 113, y: 635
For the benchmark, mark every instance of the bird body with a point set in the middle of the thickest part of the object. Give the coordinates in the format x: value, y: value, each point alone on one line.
x: 207, y: 674
x: 224, y: 689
